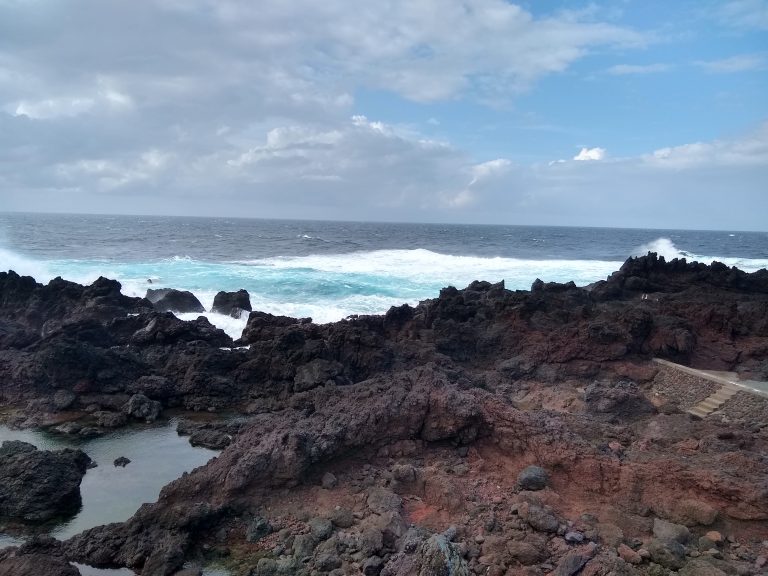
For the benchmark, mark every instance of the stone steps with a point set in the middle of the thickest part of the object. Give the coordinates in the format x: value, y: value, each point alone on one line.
x: 713, y: 401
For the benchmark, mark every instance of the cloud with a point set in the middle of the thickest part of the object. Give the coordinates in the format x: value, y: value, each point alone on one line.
x: 301, y: 52
x: 488, y: 169
x: 627, y: 69
x: 105, y: 98
x: 751, y: 150
x: 481, y: 175
x: 740, y: 63
x: 587, y: 154
x: 105, y: 175
x: 745, y: 14
x: 221, y: 107
x: 361, y: 168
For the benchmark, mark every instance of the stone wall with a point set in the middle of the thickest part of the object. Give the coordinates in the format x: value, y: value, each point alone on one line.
x: 747, y: 407
x: 680, y: 388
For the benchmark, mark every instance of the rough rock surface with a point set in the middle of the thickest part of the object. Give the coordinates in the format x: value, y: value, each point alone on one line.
x: 170, y: 300
x: 425, y: 417
x: 232, y: 303
x: 37, y: 485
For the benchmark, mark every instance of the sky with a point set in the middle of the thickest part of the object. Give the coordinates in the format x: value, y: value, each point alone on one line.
x: 647, y: 113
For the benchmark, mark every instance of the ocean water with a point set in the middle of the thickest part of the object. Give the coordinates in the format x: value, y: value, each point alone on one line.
x: 330, y: 270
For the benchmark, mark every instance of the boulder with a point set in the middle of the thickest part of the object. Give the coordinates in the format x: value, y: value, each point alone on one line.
x: 372, y: 566
x: 257, y: 529
x: 526, y: 553
x: 321, y: 528
x: 669, y: 554
x: 181, y: 301
x: 211, y: 439
x: 439, y: 556
x: 532, y: 478
x: 669, y: 532
x: 381, y: 500
x: 329, y: 481
x: 121, y: 462
x: 231, y: 303
x: 38, y: 485
x: 142, y: 408
x: 539, y: 518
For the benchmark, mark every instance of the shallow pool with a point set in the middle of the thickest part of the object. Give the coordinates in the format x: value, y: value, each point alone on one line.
x: 112, y: 494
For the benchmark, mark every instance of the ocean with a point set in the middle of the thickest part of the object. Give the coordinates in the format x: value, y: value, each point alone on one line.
x: 330, y: 270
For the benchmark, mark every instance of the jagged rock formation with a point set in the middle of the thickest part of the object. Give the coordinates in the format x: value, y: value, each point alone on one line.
x: 38, y: 485
x: 232, y: 303
x: 425, y: 416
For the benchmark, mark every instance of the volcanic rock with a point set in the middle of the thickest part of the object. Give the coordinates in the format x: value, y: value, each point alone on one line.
x: 232, y: 303
x: 181, y: 301
x: 532, y: 478
x: 142, y: 408
x: 121, y: 462
x: 211, y: 439
x: 37, y: 565
x: 37, y: 485
x: 424, y: 415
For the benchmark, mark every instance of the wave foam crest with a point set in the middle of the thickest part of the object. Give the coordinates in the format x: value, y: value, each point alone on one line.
x: 24, y: 266
x: 424, y: 265
x: 665, y: 247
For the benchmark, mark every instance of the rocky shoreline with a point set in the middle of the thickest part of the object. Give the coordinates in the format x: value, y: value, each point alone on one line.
x: 404, y: 443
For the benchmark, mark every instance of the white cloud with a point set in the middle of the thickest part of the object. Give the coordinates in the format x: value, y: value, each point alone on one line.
x: 481, y: 175
x: 587, y: 154
x: 627, y: 69
x: 105, y: 175
x: 487, y: 169
x: 740, y: 63
x: 302, y: 53
x: 103, y: 97
x: 746, y: 14
x: 53, y: 108
x: 751, y: 150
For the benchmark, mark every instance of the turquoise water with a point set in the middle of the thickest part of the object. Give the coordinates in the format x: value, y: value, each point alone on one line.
x: 112, y: 494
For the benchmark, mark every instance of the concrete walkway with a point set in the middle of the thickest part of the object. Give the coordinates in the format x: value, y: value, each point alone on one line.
x: 730, y: 386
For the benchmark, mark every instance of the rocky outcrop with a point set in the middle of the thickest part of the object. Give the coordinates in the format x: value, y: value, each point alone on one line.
x: 37, y: 565
x: 232, y: 303
x: 38, y: 485
x: 485, y: 431
x: 170, y: 300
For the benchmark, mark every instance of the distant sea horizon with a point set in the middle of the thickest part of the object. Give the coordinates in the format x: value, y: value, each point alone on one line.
x: 332, y: 269
x: 363, y: 221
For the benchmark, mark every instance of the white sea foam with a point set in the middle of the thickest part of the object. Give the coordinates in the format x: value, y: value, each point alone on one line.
x: 665, y: 247
x: 424, y: 265
x: 232, y: 326
x: 24, y: 266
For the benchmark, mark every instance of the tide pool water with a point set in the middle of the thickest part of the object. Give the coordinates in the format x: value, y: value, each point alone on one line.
x: 330, y: 270
x: 112, y: 494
